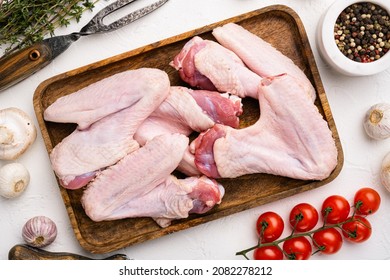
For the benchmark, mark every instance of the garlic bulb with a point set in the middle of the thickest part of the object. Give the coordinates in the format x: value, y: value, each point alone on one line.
x: 385, y: 172
x: 377, y: 121
x: 14, y: 178
x: 39, y: 231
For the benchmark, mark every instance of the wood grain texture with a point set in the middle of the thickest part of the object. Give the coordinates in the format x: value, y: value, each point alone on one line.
x: 21, y: 64
x: 276, y: 24
x: 26, y: 252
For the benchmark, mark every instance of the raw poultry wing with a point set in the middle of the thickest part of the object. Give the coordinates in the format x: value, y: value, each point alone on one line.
x: 290, y: 139
x: 208, y: 65
x: 140, y: 187
x: 185, y: 111
x: 260, y: 56
x: 105, y: 97
x: 78, y: 157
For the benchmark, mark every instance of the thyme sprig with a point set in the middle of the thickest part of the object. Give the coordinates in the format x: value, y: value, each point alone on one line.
x: 24, y: 22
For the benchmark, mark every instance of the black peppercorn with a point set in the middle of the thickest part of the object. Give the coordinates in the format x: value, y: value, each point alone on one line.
x: 362, y: 32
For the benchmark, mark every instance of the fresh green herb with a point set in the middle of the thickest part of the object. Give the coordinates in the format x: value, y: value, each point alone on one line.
x: 24, y: 22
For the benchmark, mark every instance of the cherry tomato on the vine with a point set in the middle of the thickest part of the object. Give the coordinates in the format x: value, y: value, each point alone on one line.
x: 268, y: 253
x: 328, y: 241
x: 357, y: 230
x: 297, y: 248
x: 303, y: 217
x: 335, y: 209
x: 269, y: 226
x: 367, y: 201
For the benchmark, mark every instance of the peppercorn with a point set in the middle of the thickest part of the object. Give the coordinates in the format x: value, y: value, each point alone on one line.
x: 362, y: 32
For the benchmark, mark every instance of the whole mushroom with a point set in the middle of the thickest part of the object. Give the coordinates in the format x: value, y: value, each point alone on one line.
x: 17, y: 133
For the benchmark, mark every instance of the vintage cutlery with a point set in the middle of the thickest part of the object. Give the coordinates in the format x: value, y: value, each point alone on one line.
x: 20, y: 65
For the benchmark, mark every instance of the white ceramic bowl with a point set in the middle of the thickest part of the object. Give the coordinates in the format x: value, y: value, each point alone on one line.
x: 329, y: 50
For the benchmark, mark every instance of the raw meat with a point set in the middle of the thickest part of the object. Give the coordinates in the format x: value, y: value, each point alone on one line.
x: 187, y: 164
x: 106, y: 96
x: 180, y: 197
x: 290, y: 139
x: 259, y: 56
x: 140, y: 187
x: 186, y: 110
x: 207, y: 65
x: 133, y: 176
x: 221, y: 108
x: 76, y: 159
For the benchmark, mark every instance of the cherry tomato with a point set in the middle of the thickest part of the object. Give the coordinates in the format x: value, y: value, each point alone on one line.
x: 269, y: 226
x: 367, y: 201
x: 303, y: 217
x: 357, y: 230
x: 335, y: 209
x: 328, y: 241
x: 268, y: 253
x: 297, y: 248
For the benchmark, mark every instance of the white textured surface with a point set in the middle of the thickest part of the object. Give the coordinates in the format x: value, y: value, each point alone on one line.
x: 349, y: 98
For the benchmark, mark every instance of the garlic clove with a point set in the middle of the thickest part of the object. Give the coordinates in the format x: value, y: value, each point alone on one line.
x: 385, y: 172
x: 39, y: 231
x: 17, y: 133
x: 377, y: 121
x: 14, y: 179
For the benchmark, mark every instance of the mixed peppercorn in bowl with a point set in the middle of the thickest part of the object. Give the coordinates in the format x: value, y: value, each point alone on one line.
x: 354, y: 37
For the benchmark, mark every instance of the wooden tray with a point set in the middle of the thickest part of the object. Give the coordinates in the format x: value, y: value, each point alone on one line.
x: 278, y: 25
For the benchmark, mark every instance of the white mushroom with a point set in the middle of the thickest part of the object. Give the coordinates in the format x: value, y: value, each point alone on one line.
x: 17, y: 133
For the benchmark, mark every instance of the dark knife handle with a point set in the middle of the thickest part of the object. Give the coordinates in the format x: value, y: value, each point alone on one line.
x: 26, y: 252
x: 21, y: 64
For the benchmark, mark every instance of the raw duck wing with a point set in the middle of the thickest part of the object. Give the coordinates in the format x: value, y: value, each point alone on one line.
x: 138, y: 173
x: 170, y: 200
x: 78, y: 156
x: 290, y: 139
x: 104, y: 97
x: 184, y: 62
x: 221, y: 108
x: 187, y: 164
x: 177, y: 198
x: 178, y: 113
x: 208, y: 65
x: 260, y: 56
x: 186, y: 110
